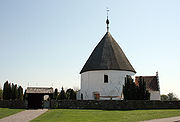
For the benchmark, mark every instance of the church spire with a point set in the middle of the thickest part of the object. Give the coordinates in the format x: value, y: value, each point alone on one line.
x: 107, y: 20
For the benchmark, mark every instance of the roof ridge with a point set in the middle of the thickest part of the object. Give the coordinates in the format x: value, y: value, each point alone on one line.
x: 112, y: 39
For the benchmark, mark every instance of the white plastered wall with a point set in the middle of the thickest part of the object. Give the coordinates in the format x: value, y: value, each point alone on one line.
x: 93, y: 81
x: 155, y: 95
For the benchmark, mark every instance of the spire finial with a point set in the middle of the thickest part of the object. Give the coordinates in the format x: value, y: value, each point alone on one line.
x: 107, y: 21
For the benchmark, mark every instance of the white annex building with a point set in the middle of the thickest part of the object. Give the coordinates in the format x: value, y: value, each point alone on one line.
x: 103, y: 74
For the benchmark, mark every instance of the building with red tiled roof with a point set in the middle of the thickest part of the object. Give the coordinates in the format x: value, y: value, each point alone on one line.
x: 152, y: 85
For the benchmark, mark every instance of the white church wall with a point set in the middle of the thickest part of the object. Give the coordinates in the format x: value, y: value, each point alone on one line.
x: 155, y: 95
x: 78, y: 95
x: 93, y: 81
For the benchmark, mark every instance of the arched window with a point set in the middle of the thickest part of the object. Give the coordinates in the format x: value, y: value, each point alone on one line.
x: 105, y: 78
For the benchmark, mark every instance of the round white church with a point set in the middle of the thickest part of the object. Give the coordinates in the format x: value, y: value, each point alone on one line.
x: 103, y: 75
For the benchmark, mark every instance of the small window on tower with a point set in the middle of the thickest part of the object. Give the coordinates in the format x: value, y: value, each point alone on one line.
x: 105, y: 78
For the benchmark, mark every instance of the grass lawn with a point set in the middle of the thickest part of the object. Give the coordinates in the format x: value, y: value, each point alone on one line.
x: 7, y: 111
x: 79, y: 115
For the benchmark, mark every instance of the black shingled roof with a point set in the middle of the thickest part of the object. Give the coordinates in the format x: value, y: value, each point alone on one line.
x: 107, y: 55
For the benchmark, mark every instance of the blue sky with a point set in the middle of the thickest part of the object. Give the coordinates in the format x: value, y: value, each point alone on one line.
x: 46, y: 43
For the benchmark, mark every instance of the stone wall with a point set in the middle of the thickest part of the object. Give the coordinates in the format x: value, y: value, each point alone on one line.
x: 98, y: 104
x: 114, y: 104
x: 13, y: 104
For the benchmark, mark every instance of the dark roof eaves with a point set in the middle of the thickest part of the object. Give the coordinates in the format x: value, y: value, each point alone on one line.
x: 107, y: 69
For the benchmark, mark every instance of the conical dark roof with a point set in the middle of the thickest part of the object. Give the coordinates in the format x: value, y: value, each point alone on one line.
x: 107, y: 55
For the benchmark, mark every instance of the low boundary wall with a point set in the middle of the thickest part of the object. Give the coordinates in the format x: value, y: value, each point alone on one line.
x: 98, y: 104
x: 114, y: 104
x: 13, y: 104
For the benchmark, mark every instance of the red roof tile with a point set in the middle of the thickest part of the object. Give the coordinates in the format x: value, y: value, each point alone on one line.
x: 152, y: 83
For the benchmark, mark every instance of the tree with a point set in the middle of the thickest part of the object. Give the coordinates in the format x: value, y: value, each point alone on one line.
x: 14, y: 92
x: 1, y: 94
x: 131, y: 91
x: 20, y: 93
x: 143, y: 94
x: 25, y: 96
x: 6, y: 94
x: 169, y: 97
x: 5, y: 90
x: 9, y: 91
x: 55, y: 94
x: 71, y: 94
x: 13, y: 97
x: 62, y: 95
x: 172, y: 97
x: 164, y: 97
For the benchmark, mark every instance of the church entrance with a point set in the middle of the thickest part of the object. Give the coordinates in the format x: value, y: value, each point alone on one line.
x: 36, y: 96
x: 35, y: 101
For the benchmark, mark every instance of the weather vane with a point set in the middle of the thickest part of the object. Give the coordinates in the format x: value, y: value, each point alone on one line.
x: 107, y: 9
x: 107, y: 21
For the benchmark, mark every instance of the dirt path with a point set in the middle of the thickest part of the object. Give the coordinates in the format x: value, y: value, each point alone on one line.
x: 171, y: 119
x: 24, y: 116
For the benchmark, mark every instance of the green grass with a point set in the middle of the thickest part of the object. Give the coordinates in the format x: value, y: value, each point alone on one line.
x: 6, y: 112
x: 77, y: 115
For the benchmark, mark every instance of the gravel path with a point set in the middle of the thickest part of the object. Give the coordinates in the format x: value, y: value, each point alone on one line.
x: 171, y: 119
x: 24, y: 116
